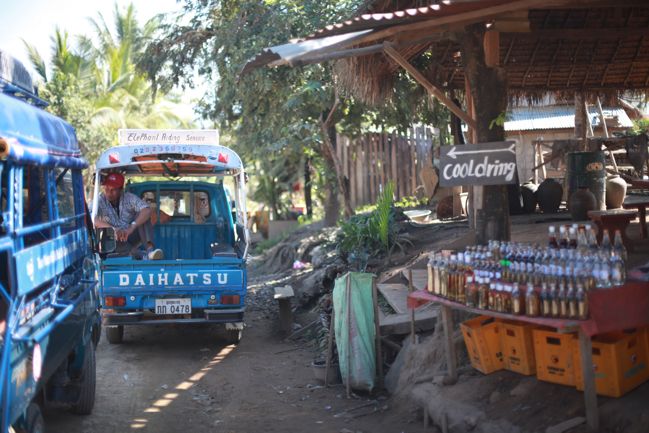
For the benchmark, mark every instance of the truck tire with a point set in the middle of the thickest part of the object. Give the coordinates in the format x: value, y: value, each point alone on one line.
x: 86, y: 383
x: 233, y: 336
x: 34, y: 422
x: 115, y: 334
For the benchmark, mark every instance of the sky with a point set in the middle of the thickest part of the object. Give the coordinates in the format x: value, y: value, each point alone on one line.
x: 35, y: 20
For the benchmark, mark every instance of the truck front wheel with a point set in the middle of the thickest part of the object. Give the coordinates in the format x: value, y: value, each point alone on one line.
x: 86, y: 382
x: 115, y: 334
x: 34, y: 422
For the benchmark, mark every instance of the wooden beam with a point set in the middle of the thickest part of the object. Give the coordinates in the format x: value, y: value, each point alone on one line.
x: 588, y: 372
x: 482, y: 14
x: 434, y: 91
x: 582, y: 34
x: 492, y: 48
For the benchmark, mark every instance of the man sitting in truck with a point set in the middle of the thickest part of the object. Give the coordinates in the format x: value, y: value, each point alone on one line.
x: 130, y: 216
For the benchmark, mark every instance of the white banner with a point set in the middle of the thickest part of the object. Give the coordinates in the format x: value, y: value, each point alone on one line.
x: 168, y: 136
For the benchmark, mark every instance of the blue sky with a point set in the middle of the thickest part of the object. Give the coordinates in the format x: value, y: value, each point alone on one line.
x: 35, y: 20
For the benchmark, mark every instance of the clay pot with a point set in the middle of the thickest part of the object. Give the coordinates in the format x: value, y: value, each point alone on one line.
x: 615, y: 191
x: 528, y: 192
x: 549, y: 195
x: 580, y: 202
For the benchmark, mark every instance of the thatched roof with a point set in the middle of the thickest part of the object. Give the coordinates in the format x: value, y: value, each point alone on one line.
x: 590, y: 46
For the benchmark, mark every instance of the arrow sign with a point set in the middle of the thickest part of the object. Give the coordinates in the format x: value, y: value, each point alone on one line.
x: 478, y: 164
x: 455, y: 150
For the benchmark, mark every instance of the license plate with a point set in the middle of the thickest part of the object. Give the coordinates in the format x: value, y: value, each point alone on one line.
x: 173, y: 306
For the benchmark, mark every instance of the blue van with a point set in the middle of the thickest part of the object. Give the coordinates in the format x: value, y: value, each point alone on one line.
x: 49, y: 306
x: 182, y: 175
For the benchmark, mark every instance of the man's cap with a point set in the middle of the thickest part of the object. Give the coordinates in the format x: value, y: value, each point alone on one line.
x: 114, y: 180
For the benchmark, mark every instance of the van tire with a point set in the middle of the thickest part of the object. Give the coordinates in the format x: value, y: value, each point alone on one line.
x: 233, y: 336
x: 115, y: 334
x: 34, y: 422
x: 86, y: 382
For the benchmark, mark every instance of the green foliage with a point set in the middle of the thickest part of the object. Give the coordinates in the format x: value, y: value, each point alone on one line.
x: 411, y: 201
x: 498, y: 121
x: 94, y: 84
x: 640, y: 126
x: 370, y: 233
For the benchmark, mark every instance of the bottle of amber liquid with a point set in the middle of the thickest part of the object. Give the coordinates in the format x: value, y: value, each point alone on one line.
x: 582, y: 303
x: 430, y: 287
x: 532, y: 304
x: 517, y: 301
x: 573, y: 308
x: 546, y: 300
x: 492, y: 297
x: 483, y: 294
x: 552, y: 237
x: 468, y: 300
x: 563, y: 301
x: 554, y: 302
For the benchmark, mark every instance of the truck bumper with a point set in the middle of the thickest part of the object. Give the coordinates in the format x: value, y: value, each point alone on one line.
x: 234, y: 315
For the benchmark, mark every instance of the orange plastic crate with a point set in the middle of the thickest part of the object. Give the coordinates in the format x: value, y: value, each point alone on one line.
x: 518, y: 347
x: 620, y: 361
x: 482, y: 339
x: 554, y: 355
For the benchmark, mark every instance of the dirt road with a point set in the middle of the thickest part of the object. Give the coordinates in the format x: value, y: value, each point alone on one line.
x: 183, y: 379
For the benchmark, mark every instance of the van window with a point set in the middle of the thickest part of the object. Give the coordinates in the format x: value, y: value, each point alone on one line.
x: 65, y: 198
x: 178, y: 204
x: 36, y: 207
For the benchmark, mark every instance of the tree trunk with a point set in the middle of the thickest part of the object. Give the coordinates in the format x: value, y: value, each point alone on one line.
x: 580, y: 120
x: 308, y: 201
x: 328, y: 133
x: 488, y: 89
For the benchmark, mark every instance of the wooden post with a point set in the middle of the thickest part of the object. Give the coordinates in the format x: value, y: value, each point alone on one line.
x: 580, y: 120
x: 451, y: 359
x: 488, y: 89
x: 412, y: 310
x: 348, y: 286
x: 590, y: 392
x: 605, y: 128
x: 377, y: 330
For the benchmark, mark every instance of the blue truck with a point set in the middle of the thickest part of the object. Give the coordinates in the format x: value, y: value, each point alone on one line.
x: 184, y: 176
x: 49, y: 304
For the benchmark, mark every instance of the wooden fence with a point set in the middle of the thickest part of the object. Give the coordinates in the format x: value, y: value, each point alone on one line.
x: 373, y: 159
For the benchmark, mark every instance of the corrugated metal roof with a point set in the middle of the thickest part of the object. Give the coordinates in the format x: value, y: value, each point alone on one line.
x: 387, y: 19
x: 558, y: 117
x: 284, y: 54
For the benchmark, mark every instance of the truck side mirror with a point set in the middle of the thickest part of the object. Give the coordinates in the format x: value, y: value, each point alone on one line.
x: 106, y: 240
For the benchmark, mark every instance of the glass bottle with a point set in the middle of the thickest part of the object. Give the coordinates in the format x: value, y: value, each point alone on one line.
x: 573, y: 308
x: 582, y: 303
x: 591, y: 238
x: 604, y: 277
x: 552, y: 237
x: 491, y: 300
x: 572, y: 237
x: 618, y: 271
x: 443, y: 278
x: 554, y: 302
x: 483, y: 294
x: 563, y: 301
x: 532, y: 304
x: 471, y: 292
x: 431, y: 264
x: 437, y: 282
x: 546, y: 300
x: 606, y: 245
x: 563, y: 237
x: 518, y: 302
x: 618, y: 246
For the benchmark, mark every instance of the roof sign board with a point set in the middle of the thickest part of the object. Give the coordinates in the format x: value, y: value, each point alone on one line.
x: 478, y: 164
x: 168, y: 136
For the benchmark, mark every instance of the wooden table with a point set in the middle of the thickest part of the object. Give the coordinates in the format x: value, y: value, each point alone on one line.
x: 639, y: 202
x: 612, y: 220
x: 613, y: 309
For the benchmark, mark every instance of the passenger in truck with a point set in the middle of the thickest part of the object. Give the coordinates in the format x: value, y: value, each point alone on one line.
x: 130, y: 216
x: 150, y: 198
